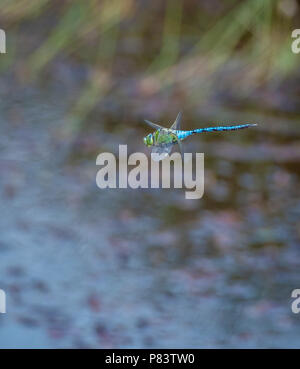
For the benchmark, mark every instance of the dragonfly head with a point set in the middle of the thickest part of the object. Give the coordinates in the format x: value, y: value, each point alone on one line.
x: 148, y: 140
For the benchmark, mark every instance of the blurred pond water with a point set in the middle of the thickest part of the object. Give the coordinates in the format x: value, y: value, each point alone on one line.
x: 84, y: 267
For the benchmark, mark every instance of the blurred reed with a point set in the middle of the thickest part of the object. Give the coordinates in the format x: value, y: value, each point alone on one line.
x: 181, y: 45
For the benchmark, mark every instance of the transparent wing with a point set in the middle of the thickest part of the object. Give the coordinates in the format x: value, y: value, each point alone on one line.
x: 176, y: 127
x: 176, y: 124
x: 161, y: 151
x: 181, y: 148
x: 153, y: 125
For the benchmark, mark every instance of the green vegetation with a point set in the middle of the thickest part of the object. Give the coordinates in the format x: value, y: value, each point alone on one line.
x: 170, y: 47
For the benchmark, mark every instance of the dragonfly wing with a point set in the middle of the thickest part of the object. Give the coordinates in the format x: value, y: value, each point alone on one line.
x: 180, y: 148
x: 161, y: 151
x: 176, y: 124
x: 176, y: 127
x: 153, y: 125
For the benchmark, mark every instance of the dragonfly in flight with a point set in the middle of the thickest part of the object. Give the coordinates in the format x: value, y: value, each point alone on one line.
x: 164, y: 139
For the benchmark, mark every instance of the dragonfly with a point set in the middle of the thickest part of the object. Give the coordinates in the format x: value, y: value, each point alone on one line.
x: 162, y: 140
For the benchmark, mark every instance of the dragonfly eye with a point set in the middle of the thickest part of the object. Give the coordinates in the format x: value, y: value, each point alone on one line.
x: 148, y: 140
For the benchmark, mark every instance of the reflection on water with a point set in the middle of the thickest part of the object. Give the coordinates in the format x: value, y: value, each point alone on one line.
x: 84, y: 267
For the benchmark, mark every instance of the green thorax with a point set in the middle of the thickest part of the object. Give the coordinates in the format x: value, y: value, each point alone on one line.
x: 164, y: 136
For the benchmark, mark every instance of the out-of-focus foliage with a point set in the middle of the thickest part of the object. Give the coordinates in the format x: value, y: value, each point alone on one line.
x: 174, y: 47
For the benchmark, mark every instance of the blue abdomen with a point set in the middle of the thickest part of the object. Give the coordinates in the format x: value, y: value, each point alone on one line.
x: 184, y: 134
